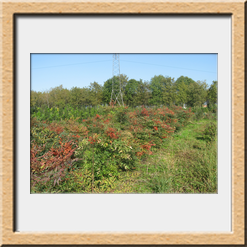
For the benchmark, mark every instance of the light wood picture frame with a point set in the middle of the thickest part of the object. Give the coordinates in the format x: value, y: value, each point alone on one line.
x: 237, y: 11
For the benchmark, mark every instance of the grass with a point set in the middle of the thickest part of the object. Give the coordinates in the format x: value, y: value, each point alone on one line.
x: 185, y: 164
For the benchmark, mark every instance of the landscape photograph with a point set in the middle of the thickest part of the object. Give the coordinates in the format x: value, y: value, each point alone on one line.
x: 123, y: 123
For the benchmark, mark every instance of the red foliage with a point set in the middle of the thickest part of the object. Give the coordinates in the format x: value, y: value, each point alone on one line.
x: 52, y: 164
x: 144, y: 112
x: 111, y: 132
x: 75, y: 136
x: 134, y: 122
x: 107, y: 121
x: 139, y: 153
x: 55, y: 128
x: 91, y: 140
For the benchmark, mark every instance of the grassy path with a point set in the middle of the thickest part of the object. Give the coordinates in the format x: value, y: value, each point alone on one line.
x: 185, y: 164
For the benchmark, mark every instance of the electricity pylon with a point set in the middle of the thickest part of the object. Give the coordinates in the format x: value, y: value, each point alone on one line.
x: 116, y: 94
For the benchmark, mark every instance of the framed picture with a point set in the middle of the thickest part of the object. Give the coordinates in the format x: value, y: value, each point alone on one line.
x: 205, y: 212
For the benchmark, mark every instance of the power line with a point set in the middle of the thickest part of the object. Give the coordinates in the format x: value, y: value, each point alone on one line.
x: 70, y: 64
x: 166, y: 66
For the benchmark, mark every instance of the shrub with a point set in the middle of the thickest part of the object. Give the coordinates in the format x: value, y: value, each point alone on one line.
x: 51, y: 166
x: 198, y: 113
x: 106, y: 154
x: 213, y: 108
x: 111, y: 141
x: 121, y: 115
x: 209, y: 133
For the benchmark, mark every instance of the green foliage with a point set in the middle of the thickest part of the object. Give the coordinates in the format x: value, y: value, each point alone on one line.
x: 96, y: 151
x: 197, y: 94
x: 95, y: 93
x: 195, y: 173
x: 213, y: 108
x: 159, y: 91
x: 105, y: 155
x: 182, y: 92
x: 121, y: 115
x: 210, y: 132
x: 185, y: 80
x: 160, y: 184
x: 69, y: 112
x: 198, y: 112
x: 201, y: 112
x: 157, y: 85
x: 131, y: 91
x: 184, y: 164
x: 212, y: 95
x: 114, y: 82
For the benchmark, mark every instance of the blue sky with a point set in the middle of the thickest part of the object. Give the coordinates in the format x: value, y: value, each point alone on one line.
x: 79, y: 70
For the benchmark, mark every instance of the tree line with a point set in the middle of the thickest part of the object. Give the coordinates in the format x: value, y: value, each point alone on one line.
x: 159, y: 90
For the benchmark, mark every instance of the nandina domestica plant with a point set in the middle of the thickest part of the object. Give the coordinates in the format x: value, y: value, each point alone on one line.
x: 103, y: 145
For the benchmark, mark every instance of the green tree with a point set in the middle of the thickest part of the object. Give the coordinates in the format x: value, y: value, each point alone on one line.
x: 212, y: 93
x: 181, y: 93
x: 47, y: 98
x: 36, y: 99
x: 95, y: 93
x: 57, y: 97
x: 169, y: 91
x: 185, y: 80
x: 107, y: 89
x: 143, y: 95
x: 197, y: 93
x: 77, y: 97
x: 187, y: 93
x: 131, y: 90
x: 157, y: 86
